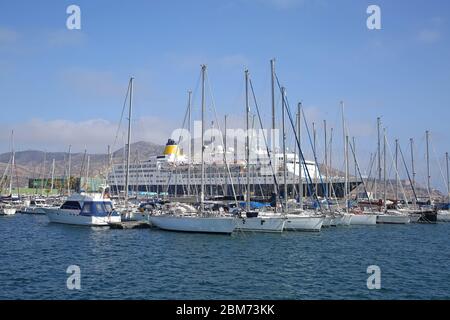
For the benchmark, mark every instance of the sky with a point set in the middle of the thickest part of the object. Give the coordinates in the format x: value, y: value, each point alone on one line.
x: 61, y: 87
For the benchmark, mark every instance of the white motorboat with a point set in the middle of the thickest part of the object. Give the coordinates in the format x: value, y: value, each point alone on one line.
x: 85, y: 210
x: 7, y: 210
x: 35, y: 206
x: 194, y: 223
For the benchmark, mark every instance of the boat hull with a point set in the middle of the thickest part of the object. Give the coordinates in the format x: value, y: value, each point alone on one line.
x: 260, y: 224
x: 7, y: 212
x: 393, y: 219
x: 299, y: 223
x: 414, y: 217
x: 327, y: 221
x: 443, y: 216
x: 55, y: 216
x: 342, y: 220
x: 33, y: 210
x: 363, y: 220
x: 219, y: 225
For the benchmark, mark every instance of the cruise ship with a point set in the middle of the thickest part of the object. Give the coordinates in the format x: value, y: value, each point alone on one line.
x: 172, y: 173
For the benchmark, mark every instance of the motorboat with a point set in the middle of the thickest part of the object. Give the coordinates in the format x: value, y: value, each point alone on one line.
x: 84, y: 209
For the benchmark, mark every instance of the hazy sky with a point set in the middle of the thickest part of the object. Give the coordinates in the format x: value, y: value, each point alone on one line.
x: 61, y: 87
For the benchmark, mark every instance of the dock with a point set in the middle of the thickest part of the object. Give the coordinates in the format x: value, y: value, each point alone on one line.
x: 130, y: 225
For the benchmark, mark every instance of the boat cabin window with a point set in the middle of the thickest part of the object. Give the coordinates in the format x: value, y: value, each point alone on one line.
x: 99, y: 207
x: 108, y: 207
x: 94, y: 208
x: 87, y: 208
x: 72, y: 205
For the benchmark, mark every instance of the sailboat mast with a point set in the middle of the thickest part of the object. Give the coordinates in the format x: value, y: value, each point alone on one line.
x: 354, y: 151
x: 331, y: 161
x: 13, y: 160
x: 448, y: 177
x: 379, y: 148
x: 396, y: 170
x: 189, y: 143
x: 87, y: 173
x: 384, y: 171
x: 202, y: 190
x: 427, y: 133
x: 53, y: 176
x: 411, y: 141
x: 326, y: 157
x: 247, y: 141
x: 347, y: 171
x: 225, y: 161
x: 300, y: 160
x: 127, y: 170
x: 283, y: 94
x: 315, y: 156
x: 44, y: 180
x: 345, y: 156
x: 274, y: 161
x: 68, y: 170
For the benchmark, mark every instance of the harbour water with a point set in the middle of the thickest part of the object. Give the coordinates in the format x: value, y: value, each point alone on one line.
x: 152, y: 264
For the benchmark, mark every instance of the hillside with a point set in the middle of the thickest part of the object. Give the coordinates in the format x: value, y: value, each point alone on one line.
x: 30, y: 163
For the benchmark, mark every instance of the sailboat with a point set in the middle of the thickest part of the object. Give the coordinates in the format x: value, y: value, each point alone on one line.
x: 201, y: 221
x: 358, y: 217
x: 7, y: 209
x: 444, y: 215
x: 288, y: 219
x: 255, y: 221
x: 389, y: 216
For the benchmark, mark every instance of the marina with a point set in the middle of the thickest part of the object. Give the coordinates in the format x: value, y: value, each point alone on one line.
x: 241, y: 150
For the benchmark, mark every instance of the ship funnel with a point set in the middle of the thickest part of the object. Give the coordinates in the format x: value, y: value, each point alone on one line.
x: 171, y: 148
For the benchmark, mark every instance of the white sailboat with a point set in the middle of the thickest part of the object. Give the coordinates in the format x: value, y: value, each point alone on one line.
x: 358, y: 217
x: 364, y: 219
x: 444, y: 215
x: 7, y: 209
x: 257, y: 221
x: 390, y: 216
x: 303, y: 222
x: 393, y: 217
x: 201, y: 222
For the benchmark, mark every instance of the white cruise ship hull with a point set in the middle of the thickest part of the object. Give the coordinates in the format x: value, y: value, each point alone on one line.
x: 260, y: 224
x: 303, y: 223
x: 393, y: 219
x: 196, y: 224
x: 73, y: 218
x: 443, y: 216
x: 363, y: 220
